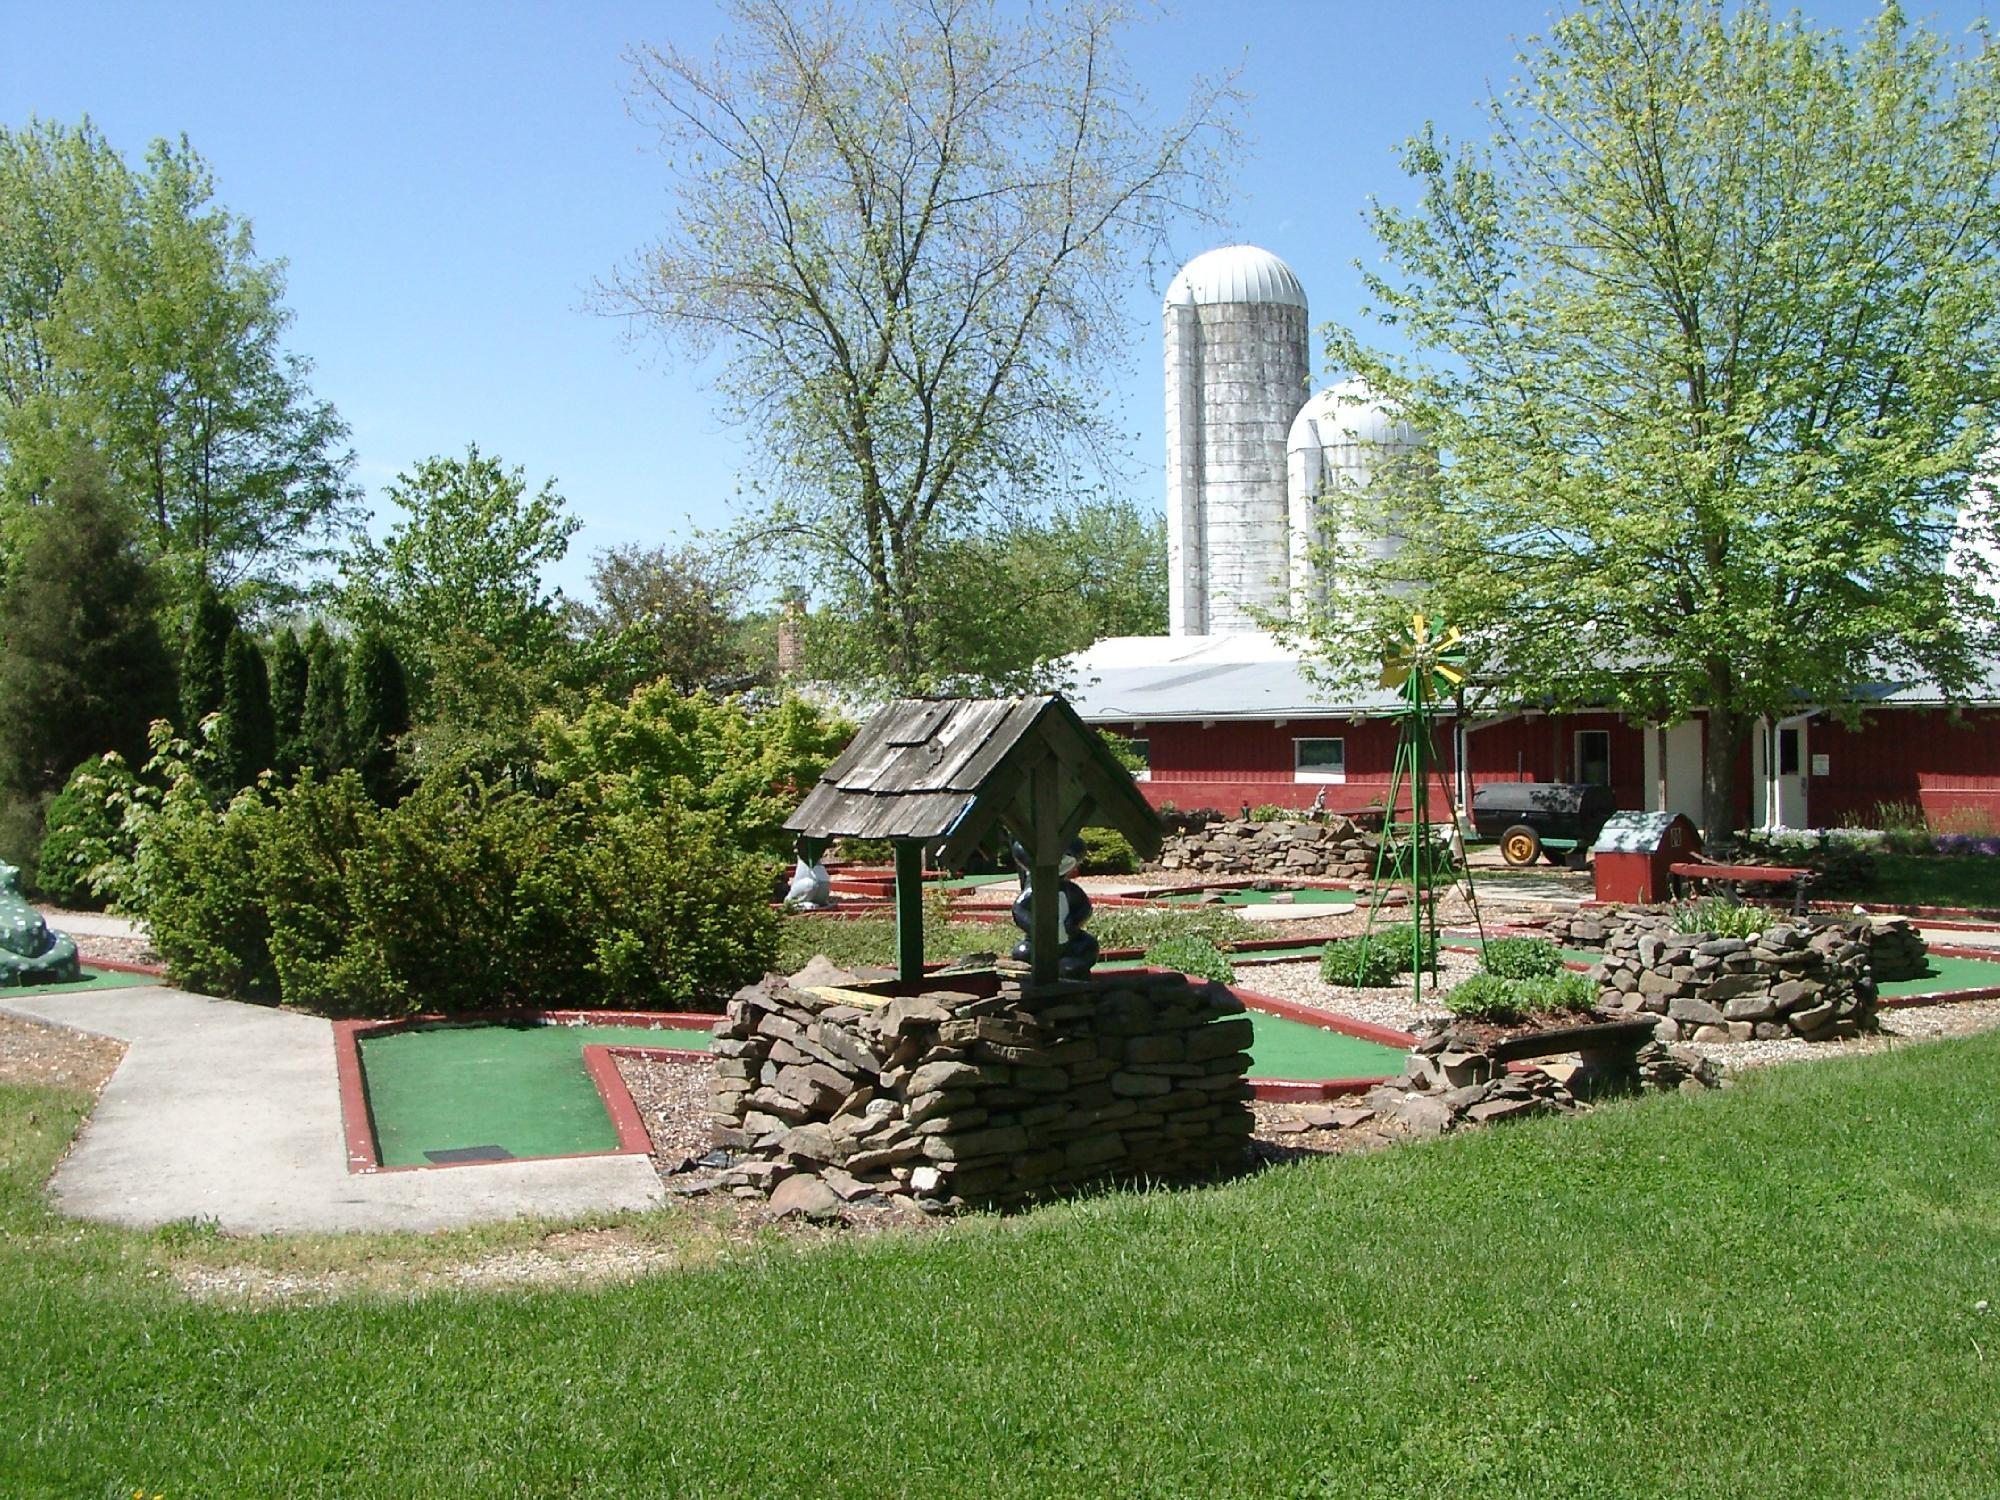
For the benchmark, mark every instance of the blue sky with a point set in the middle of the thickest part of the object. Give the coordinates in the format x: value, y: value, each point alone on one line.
x: 446, y: 181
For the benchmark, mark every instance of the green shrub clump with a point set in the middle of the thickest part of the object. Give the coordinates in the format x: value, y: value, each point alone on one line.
x: 1502, y: 1000
x: 1106, y: 851
x: 1142, y: 927
x: 1362, y: 963
x: 1729, y: 919
x: 1194, y: 956
x: 86, y: 853
x: 1522, y: 957
x: 462, y: 897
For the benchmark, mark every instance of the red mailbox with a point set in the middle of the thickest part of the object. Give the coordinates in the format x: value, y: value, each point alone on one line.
x: 1633, y: 851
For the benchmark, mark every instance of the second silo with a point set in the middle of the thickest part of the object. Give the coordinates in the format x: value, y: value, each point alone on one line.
x: 1237, y: 352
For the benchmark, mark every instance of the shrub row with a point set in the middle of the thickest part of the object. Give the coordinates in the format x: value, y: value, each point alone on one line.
x: 1378, y: 958
x: 459, y: 898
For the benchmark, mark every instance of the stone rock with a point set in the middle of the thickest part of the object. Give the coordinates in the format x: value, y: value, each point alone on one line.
x: 1694, y: 1012
x: 821, y: 970
x: 1423, y: 1115
x: 1504, y: 1109
x: 805, y: 1196
x: 1715, y: 1033
x: 1751, y: 1008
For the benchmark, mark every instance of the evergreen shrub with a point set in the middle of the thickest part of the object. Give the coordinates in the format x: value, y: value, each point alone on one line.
x: 1106, y: 851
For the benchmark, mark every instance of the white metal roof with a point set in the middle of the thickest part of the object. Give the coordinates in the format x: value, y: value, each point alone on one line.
x: 1247, y: 676
x: 1256, y: 676
x: 1236, y: 273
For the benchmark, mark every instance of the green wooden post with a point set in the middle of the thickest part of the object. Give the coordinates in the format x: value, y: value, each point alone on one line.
x: 909, y: 910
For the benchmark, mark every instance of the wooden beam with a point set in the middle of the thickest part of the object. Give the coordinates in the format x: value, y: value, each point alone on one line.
x: 1045, y: 870
x: 909, y: 909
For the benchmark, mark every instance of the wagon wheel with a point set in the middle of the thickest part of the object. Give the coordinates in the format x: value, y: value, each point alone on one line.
x: 1520, y: 844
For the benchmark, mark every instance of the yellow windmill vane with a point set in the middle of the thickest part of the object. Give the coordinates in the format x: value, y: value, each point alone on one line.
x: 1425, y: 662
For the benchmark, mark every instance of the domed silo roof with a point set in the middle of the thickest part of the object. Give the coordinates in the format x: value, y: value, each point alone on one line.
x: 1349, y: 413
x: 1236, y: 273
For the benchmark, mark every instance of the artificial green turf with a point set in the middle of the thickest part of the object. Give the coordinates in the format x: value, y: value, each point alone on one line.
x: 522, y: 1088
x: 1285, y: 1048
x: 1773, y: 1291
x: 1944, y: 974
x: 93, y: 979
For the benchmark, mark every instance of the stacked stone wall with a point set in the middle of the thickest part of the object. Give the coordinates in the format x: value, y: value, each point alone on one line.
x: 1811, y: 980
x: 956, y: 1097
x: 1337, y: 849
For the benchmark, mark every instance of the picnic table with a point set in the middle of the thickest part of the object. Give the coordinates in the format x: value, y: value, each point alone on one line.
x: 1714, y: 874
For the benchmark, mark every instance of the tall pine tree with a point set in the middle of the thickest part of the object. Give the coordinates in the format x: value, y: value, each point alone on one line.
x: 210, y: 624
x: 323, y: 721
x: 82, y: 666
x: 245, y: 741
x: 289, y: 671
x: 378, y: 713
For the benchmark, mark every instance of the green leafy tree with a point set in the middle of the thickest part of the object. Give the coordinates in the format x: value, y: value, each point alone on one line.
x: 245, y: 737
x: 82, y: 666
x: 323, y: 721
x: 204, y: 675
x: 468, y: 555
x: 135, y: 315
x: 675, y: 613
x: 1001, y: 607
x: 289, y: 670
x: 1706, y: 340
x: 86, y: 853
x: 378, y: 713
x: 910, y: 231
x: 746, y: 772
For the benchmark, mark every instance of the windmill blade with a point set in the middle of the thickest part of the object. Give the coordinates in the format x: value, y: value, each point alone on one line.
x: 1395, y: 673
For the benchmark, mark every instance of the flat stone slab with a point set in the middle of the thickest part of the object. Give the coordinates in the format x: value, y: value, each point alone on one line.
x: 231, y: 1113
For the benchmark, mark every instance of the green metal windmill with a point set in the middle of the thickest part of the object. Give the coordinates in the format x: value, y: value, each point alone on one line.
x: 1427, y: 664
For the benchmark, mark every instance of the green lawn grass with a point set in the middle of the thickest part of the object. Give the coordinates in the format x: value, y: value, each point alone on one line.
x: 1765, y: 1292
x: 1936, y: 880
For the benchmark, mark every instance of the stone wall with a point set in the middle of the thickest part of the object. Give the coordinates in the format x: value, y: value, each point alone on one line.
x: 1337, y: 849
x: 994, y: 1093
x: 1896, y: 950
x: 1812, y: 980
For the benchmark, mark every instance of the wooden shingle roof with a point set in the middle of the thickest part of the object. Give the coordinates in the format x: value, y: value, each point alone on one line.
x: 949, y: 769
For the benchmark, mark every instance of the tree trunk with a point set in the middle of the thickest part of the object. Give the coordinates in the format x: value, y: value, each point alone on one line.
x: 1728, y: 732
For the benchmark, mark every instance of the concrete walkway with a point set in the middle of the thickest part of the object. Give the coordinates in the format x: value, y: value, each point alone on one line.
x: 231, y: 1112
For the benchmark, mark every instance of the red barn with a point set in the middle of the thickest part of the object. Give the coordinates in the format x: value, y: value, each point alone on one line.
x: 1230, y: 720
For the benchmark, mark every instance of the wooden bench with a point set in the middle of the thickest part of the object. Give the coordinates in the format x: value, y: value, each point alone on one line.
x: 1732, y: 876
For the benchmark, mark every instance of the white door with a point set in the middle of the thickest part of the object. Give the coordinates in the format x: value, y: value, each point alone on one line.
x: 1791, y: 778
x: 1682, y: 770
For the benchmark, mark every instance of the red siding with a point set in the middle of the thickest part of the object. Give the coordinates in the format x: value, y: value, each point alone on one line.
x: 1240, y: 761
x: 1543, y: 748
x: 1951, y: 768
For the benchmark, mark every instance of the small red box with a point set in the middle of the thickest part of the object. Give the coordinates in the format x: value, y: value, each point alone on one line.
x: 1633, y: 851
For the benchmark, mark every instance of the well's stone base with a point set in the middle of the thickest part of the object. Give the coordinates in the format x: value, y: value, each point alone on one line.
x: 978, y: 1089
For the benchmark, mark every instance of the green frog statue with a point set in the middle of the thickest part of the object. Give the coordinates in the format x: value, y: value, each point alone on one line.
x: 29, y: 952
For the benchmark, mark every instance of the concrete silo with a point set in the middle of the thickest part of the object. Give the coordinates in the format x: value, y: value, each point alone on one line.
x: 1340, y: 440
x: 1237, y: 359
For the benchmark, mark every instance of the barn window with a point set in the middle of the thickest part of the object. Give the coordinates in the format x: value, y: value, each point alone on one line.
x: 1144, y: 750
x: 1319, y: 760
x: 1593, y: 757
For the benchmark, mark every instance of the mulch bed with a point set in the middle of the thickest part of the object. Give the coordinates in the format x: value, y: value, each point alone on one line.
x: 54, y: 1056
